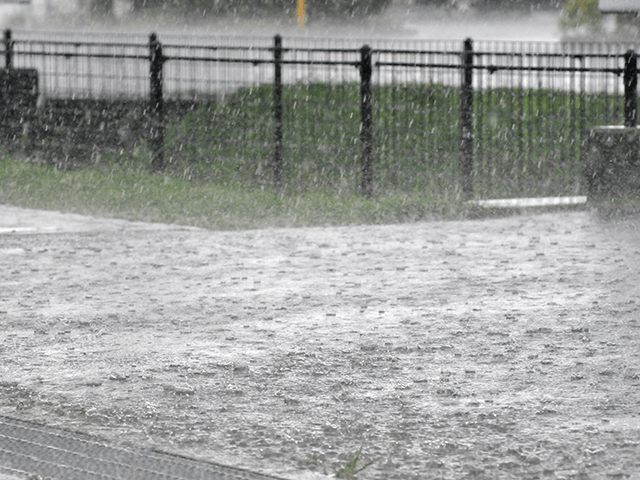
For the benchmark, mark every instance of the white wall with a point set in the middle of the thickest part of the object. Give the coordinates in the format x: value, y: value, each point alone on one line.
x: 21, y: 16
x: 37, y: 12
x: 40, y: 8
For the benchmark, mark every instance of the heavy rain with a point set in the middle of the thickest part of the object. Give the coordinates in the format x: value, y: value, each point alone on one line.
x: 372, y: 239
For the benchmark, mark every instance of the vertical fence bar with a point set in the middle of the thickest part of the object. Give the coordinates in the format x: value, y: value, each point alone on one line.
x: 366, y: 119
x: 480, y: 140
x: 466, y: 119
x: 157, y: 104
x: 630, y: 89
x: 582, y: 133
x: 277, y: 111
x: 8, y: 50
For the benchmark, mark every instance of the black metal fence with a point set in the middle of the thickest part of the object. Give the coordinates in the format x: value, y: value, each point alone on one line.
x: 485, y: 118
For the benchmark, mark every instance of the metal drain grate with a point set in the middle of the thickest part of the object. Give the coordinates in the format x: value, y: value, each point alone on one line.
x: 31, y: 449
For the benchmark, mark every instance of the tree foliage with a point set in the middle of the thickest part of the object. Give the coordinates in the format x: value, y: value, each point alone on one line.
x: 582, y: 13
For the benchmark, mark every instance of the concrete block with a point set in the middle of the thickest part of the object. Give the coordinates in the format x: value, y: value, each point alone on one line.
x: 18, y: 101
x: 611, y: 163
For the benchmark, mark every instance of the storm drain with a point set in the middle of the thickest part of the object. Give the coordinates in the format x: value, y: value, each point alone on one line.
x: 28, y: 449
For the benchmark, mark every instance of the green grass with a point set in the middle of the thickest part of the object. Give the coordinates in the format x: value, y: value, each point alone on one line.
x: 527, y: 142
x: 349, y: 470
x: 131, y: 192
x: 219, y: 158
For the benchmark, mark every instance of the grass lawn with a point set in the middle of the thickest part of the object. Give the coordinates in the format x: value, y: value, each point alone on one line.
x: 133, y: 193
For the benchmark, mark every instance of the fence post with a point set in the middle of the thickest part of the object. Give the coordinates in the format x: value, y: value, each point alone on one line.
x: 157, y: 104
x: 466, y: 119
x: 8, y: 50
x: 630, y: 89
x: 366, y: 120
x: 277, y: 111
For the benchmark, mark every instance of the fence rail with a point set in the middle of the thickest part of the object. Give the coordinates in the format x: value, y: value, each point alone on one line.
x: 490, y: 118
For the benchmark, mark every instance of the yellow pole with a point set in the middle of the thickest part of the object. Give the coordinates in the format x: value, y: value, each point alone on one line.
x: 300, y: 14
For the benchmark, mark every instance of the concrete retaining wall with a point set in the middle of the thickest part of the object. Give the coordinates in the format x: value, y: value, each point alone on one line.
x: 611, y: 163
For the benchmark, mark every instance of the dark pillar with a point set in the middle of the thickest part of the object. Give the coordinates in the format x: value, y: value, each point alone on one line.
x: 366, y: 120
x: 277, y: 112
x: 466, y: 119
x: 157, y: 104
x: 8, y: 50
x: 630, y: 89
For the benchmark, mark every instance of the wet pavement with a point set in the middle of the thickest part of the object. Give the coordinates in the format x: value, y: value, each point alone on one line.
x: 496, y: 348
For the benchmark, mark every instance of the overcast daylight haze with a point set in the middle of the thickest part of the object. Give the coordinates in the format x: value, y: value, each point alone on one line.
x: 383, y: 240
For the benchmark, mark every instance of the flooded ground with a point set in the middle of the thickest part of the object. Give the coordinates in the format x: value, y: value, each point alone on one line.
x: 498, y: 348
